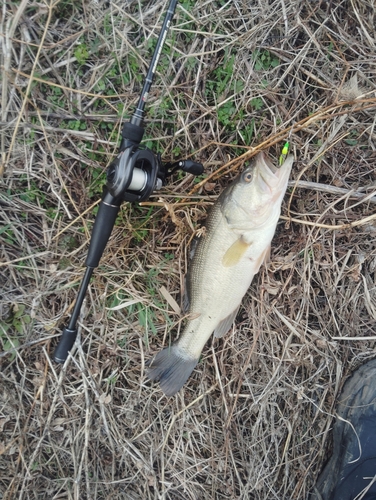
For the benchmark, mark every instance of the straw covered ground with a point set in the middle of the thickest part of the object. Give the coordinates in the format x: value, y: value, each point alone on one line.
x: 235, y: 77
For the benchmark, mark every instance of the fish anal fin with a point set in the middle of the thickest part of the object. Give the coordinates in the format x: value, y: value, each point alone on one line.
x: 172, y: 368
x: 262, y: 259
x: 267, y: 255
x: 225, y: 325
x: 235, y: 252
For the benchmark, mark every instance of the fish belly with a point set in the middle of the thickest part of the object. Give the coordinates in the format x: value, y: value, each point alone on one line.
x: 217, y: 299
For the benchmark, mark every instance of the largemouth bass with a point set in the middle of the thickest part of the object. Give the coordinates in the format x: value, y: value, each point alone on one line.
x: 236, y: 241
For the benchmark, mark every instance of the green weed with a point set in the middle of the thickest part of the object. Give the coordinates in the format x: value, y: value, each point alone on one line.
x: 73, y: 124
x: 264, y: 60
x: 188, y: 4
x: 226, y: 114
x: 247, y: 131
x: 81, y: 53
x: 54, y: 213
x: 33, y: 194
x: 257, y: 103
x: 56, y: 96
x: 64, y: 263
x: 221, y: 80
x: 330, y: 50
x: 98, y: 181
x: 7, y: 234
x: 13, y: 327
x: 107, y: 25
x: 353, y: 138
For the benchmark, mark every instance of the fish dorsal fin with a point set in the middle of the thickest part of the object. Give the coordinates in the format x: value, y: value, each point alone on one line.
x: 225, y: 325
x: 185, y: 302
x: 193, y: 246
x: 235, y: 252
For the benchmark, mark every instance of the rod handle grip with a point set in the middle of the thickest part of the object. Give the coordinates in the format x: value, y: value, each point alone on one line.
x: 65, y: 345
x: 103, y: 225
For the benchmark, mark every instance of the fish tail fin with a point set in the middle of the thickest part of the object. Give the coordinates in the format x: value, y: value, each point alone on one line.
x: 172, y: 368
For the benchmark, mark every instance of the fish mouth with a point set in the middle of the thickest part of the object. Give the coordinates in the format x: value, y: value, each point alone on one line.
x: 268, y: 165
x: 268, y: 176
x: 272, y: 174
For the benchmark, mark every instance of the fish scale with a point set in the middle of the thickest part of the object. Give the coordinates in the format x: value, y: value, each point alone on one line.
x: 236, y: 241
x: 210, y: 284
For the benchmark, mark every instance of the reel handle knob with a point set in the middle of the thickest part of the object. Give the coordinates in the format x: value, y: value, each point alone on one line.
x: 191, y: 167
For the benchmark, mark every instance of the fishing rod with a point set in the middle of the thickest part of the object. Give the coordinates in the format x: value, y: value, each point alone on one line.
x: 133, y: 176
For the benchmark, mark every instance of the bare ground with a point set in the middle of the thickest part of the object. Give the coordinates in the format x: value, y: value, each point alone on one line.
x: 254, y: 420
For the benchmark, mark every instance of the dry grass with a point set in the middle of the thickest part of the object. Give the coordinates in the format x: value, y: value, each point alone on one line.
x: 253, y: 422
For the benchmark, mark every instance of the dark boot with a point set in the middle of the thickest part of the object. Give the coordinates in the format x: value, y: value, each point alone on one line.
x: 351, y: 471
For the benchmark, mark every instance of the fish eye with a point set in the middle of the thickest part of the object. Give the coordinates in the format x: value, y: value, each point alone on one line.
x: 248, y: 176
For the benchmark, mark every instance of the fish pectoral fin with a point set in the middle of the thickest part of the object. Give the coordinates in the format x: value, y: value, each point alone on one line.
x: 225, y: 325
x: 235, y: 252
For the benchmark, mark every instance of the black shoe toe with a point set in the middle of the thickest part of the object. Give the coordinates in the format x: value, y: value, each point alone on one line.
x: 351, y: 471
